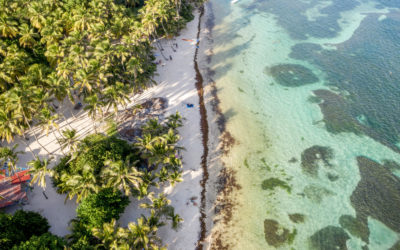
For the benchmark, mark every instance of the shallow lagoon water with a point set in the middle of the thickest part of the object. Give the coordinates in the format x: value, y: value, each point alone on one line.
x: 298, y: 79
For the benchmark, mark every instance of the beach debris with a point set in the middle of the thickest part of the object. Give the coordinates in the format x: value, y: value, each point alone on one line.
x: 78, y: 106
x: 189, y: 105
x: 131, y: 120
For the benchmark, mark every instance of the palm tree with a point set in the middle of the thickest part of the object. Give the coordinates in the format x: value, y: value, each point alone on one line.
x: 20, y: 100
x: 122, y: 175
x: 114, y: 95
x: 153, y: 127
x: 93, y: 106
x: 8, y: 27
x: 10, y: 156
x: 69, y: 140
x: 109, y: 236
x: 10, y: 125
x: 138, y: 234
x: 39, y: 169
x: 81, y: 185
x: 47, y: 121
x: 28, y: 36
x: 156, y: 203
x: 175, y: 218
x: 153, y: 220
x: 175, y: 177
x: 174, y: 121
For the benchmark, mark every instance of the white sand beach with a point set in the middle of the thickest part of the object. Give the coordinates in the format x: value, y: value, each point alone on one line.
x: 176, y: 82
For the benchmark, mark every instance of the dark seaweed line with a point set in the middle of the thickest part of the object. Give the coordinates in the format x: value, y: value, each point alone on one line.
x: 204, y: 131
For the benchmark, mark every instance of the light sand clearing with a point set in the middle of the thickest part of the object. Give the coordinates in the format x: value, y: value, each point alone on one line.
x: 176, y: 82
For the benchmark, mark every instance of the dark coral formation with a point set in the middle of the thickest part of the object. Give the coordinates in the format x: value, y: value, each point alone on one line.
x: 297, y: 218
x: 292, y: 75
x: 355, y: 227
x: 272, y: 183
x: 332, y: 177
x: 377, y: 195
x: 298, y: 25
x: 336, y: 116
x: 396, y: 246
x: 276, y: 235
x: 316, y: 193
x: 311, y: 158
x: 363, y: 68
x: 329, y: 238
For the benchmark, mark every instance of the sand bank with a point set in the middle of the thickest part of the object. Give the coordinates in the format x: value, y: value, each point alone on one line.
x: 176, y: 80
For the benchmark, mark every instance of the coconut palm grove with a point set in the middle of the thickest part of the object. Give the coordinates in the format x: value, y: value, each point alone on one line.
x: 93, y: 55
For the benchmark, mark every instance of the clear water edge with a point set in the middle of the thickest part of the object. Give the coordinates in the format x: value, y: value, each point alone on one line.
x: 275, y: 123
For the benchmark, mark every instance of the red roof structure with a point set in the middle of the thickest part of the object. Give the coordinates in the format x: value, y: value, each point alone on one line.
x: 10, y: 188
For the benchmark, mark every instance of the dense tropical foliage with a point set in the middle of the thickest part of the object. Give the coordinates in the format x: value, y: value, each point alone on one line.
x: 98, y: 53
x: 92, y: 51
x: 20, y: 227
x: 104, y: 170
x: 44, y: 241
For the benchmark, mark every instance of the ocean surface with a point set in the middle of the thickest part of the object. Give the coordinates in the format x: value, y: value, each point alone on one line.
x: 311, y: 93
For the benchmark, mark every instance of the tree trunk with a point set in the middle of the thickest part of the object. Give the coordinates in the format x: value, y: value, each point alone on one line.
x: 34, y: 134
x: 62, y: 151
x: 29, y: 147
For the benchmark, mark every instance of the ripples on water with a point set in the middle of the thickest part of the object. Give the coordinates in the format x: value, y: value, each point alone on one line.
x: 317, y: 118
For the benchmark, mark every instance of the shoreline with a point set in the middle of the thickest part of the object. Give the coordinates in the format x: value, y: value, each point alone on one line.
x: 204, y: 130
x: 176, y: 81
x: 222, y: 181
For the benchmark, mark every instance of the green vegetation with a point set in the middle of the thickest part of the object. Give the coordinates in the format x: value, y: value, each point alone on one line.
x: 94, y: 211
x: 96, y: 52
x: 44, y: 241
x: 105, y: 170
x: 20, y: 227
x: 272, y: 183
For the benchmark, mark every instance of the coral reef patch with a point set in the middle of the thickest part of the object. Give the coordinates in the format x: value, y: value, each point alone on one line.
x: 313, y: 157
x: 329, y: 238
x: 291, y: 75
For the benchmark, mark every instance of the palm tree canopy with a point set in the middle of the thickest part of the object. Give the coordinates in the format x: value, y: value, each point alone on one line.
x: 39, y: 170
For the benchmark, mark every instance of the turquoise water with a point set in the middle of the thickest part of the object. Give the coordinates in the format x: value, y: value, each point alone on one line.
x: 311, y: 93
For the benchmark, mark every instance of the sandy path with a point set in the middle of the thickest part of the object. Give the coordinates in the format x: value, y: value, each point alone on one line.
x: 176, y: 82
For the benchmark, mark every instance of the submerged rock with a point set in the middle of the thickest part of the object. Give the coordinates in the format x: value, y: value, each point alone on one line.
x: 332, y: 177
x: 272, y: 183
x: 297, y: 218
x: 316, y: 193
x: 311, y: 157
x: 355, y: 227
x: 396, y: 246
x: 377, y: 194
x: 276, y: 235
x: 292, y: 75
x: 336, y: 113
x: 391, y: 165
x: 329, y: 238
